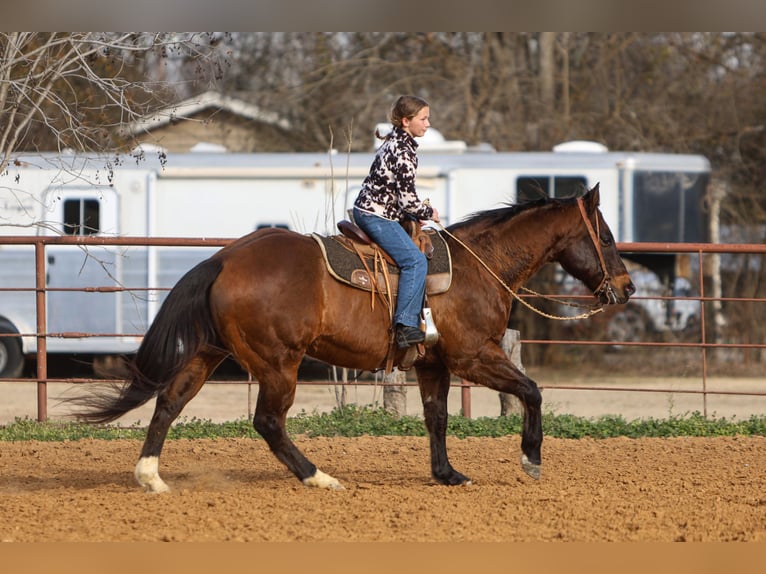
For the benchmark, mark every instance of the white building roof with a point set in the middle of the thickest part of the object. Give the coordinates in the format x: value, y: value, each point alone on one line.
x: 210, y: 99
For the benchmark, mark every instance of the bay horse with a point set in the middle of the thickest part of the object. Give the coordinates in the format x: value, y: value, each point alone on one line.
x: 268, y: 300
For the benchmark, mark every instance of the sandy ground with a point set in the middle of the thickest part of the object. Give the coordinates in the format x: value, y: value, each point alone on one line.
x: 680, y: 489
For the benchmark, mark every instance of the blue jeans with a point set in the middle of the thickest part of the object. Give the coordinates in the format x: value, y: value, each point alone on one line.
x: 413, y: 265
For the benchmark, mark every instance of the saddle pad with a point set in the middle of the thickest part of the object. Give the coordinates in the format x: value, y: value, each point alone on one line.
x: 344, y: 264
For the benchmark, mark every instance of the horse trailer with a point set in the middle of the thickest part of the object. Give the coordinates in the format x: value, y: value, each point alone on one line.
x: 645, y: 197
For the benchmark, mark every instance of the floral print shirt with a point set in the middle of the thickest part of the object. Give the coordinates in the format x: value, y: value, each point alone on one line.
x: 389, y: 189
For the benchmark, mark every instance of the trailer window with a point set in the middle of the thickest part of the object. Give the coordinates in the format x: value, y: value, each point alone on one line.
x: 534, y: 187
x: 670, y: 206
x: 81, y: 216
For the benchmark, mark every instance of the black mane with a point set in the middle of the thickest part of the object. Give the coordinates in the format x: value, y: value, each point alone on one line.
x: 501, y: 214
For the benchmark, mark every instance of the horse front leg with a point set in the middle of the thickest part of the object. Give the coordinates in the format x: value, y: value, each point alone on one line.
x: 434, y: 381
x: 493, y: 369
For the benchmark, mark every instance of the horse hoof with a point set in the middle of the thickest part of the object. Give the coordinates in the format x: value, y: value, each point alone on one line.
x: 453, y: 479
x: 530, y: 468
x: 148, y: 477
x: 322, y: 480
x: 156, y: 488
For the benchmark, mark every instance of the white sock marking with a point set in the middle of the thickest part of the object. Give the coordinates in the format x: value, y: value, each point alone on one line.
x: 322, y: 480
x: 148, y: 476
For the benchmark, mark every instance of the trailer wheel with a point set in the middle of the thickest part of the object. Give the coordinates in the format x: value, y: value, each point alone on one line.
x: 11, y: 357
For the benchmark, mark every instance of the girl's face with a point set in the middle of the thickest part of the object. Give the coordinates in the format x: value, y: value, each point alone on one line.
x: 418, y: 125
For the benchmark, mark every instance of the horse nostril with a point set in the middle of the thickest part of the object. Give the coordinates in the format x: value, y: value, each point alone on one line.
x: 630, y: 288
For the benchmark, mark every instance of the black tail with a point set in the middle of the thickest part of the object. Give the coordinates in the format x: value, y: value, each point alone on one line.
x: 182, y: 326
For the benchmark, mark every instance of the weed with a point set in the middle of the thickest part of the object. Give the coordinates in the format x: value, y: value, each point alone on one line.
x: 351, y: 421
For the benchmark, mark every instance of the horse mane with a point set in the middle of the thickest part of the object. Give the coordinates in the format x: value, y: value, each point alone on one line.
x: 492, y: 217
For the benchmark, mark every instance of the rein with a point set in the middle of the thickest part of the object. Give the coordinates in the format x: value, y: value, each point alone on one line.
x: 603, y: 286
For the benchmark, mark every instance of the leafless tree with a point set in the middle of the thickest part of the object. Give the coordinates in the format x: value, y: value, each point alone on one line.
x: 73, y: 90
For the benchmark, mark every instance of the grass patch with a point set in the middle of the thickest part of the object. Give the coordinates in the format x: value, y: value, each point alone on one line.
x: 352, y: 421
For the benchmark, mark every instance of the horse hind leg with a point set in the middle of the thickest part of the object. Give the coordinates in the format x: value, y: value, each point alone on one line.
x: 276, y: 393
x: 170, y: 403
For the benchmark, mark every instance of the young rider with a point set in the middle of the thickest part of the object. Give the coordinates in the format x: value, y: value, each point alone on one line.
x: 387, y: 198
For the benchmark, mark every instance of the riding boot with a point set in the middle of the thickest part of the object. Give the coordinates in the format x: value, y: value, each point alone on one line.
x: 407, y: 336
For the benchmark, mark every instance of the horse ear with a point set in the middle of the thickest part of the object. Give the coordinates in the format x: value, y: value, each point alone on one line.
x: 593, y: 197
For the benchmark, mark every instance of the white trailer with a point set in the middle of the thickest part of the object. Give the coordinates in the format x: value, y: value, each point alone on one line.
x: 645, y: 197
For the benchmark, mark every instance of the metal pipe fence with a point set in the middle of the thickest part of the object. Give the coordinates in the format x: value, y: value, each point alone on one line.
x: 706, y: 340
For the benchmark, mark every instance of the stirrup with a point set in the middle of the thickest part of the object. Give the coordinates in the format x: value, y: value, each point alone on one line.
x: 428, y: 325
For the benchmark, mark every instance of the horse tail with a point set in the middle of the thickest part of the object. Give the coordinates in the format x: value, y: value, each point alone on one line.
x: 183, y: 326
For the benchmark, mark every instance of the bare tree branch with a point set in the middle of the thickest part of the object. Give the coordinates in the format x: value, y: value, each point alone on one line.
x: 72, y: 89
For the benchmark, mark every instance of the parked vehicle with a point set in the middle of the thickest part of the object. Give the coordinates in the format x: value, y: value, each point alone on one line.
x: 644, y: 197
x: 654, y: 308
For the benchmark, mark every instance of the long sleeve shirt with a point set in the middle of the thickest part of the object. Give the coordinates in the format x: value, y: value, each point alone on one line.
x: 389, y: 188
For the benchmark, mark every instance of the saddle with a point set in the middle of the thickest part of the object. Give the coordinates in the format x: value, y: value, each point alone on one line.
x: 353, y: 258
x: 413, y: 228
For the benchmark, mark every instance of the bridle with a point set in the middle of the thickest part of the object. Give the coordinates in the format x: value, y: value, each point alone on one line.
x: 605, y: 287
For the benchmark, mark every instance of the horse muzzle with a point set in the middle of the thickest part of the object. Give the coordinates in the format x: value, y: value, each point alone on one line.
x: 614, y: 292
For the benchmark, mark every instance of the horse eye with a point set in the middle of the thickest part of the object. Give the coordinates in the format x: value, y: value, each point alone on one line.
x: 605, y: 241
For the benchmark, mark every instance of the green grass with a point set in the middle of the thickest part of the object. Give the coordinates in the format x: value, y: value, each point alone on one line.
x: 351, y: 421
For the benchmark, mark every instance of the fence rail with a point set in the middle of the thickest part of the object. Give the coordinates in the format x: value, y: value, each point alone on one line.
x: 703, y: 343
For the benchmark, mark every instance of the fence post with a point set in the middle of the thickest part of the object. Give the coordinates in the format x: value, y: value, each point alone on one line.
x: 511, y: 344
x: 42, y: 346
x: 465, y: 398
x: 395, y: 392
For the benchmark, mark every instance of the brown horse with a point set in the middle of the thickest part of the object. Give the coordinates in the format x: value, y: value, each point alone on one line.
x: 267, y: 299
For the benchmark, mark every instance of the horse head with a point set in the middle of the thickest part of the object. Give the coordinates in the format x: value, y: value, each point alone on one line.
x: 592, y: 257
